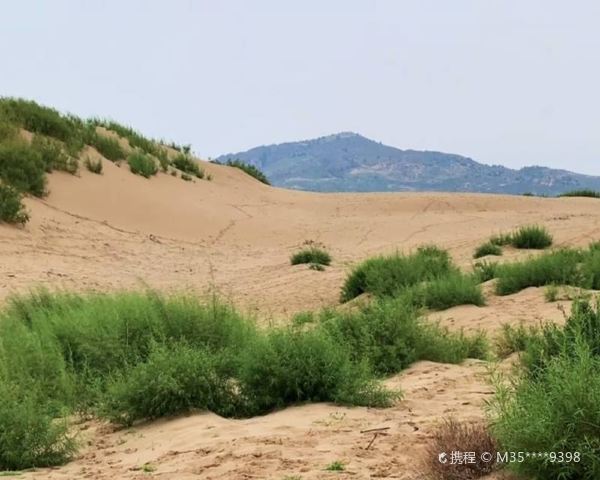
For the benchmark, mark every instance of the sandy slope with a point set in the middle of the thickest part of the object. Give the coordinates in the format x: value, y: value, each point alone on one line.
x: 235, y: 235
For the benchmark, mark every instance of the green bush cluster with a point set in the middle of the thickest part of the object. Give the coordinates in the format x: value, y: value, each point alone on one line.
x: 553, y: 404
x: 94, y: 166
x: 487, y: 248
x: 251, y: 170
x: 134, y: 356
x: 11, y: 206
x: 142, y: 164
x: 108, y: 147
x: 186, y: 164
x: 312, y: 255
x: 567, y: 266
x: 427, y: 278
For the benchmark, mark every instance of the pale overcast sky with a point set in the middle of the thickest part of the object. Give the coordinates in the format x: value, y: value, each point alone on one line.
x: 514, y: 82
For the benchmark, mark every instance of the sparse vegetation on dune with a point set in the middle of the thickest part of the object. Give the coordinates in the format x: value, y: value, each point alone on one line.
x: 94, y: 166
x: 250, y: 169
x: 134, y: 356
x: 109, y: 148
x: 552, y: 406
x: 187, y: 164
x: 11, y: 206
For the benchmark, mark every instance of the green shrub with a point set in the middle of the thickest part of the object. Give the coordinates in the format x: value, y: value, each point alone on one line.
x: 485, y: 271
x: 163, y: 159
x: 249, y: 169
x: 53, y: 154
x: 448, y: 291
x: 532, y: 236
x: 581, y: 193
x: 487, y: 248
x: 94, y: 166
x: 187, y: 164
x: 514, y: 339
x: 8, y: 131
x: 11, y: 206
x: 23, y: 168
x: 312, y: 255
x: 560, y: 267
x: 551, y: 293
x: 289, y: 366
x: 29, y: 436
x: 142, y: 164
x: 186, y: 177
x: 388, y: 275
x: 172, y: 380
x: 135, y: 139
x: 108, y: 147
x: 553, y: 405
x: 501, y: 240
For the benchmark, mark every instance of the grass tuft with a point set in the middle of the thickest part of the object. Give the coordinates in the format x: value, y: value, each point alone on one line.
x: 94, y: 166
x: 251, y: 170
x: 12, y: 209
x: 487, y: 248
x: 142, y: 164
x: 312, y: 255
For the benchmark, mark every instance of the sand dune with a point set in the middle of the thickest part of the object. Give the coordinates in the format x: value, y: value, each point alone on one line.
x: 234, y: 235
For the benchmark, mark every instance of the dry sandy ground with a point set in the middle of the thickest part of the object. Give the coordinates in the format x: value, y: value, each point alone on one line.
x: 234, y: 235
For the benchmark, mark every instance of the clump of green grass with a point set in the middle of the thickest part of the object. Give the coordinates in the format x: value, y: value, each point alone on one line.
x: 551, y: 293
x: 561, y: 267
x: 487, y: 248
x: 501, y: 240
x: 54, y: 155
x: 585, y: 192
x: 23, y: 168
x: 108, y: 147
x: 12, y: 209
x: 388, y: 275
x: 552, y: 406
x: 532, y: 236
x: 142, y: 164
x: 135, y: 139
x: 514, y: 339
x: 251, y: 170
x: 312, y: 255
x: 186, y: 164
x: 485, y: 271
x: 94, y: 166
x: 447, y: 291
x: 336, y: 466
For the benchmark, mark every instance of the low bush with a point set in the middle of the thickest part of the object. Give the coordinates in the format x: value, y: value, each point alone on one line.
x: 552, y: 405
x: 135, y: 139
x: 171, y: 380
x: 514, y: 339
x: 108, y: 147
x: 560, y: 268
x: 532, y: 236
x: 312, y: 255
x: 23, y: 167
x: 94, y: 166
x: 487, y: 248
x: 186, y: 177
x: 142, y: 164
x: 388, y: 275
x: 448, y: 291
x: 12, y: 209
x: 53, y: 154
x: 485, y: 271
x: 188, y: 165
x: 251, y: 170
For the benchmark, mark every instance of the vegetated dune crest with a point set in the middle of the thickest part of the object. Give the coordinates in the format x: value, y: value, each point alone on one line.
x: 235, y: 235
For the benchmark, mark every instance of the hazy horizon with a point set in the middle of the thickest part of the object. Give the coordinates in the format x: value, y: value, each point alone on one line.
x: 502, y: 82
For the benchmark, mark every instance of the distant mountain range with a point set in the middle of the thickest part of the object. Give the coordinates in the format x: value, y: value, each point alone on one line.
x: 348, y: 162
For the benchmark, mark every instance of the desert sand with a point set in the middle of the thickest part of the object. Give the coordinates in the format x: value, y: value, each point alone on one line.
x: 234, y: 236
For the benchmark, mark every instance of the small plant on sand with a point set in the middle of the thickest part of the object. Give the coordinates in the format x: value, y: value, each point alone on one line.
x: 94, y: 166
x: 501, y: 240
x: 313, y: 255
x: 485, y: 271
x: 487, y: 248
x: 11, y: 206
x: 453, y: 436
x: 186, y: 177
x: 533, y: 236
x: 187, y: 164
x: 142, y: 164
x: 336, y: 466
